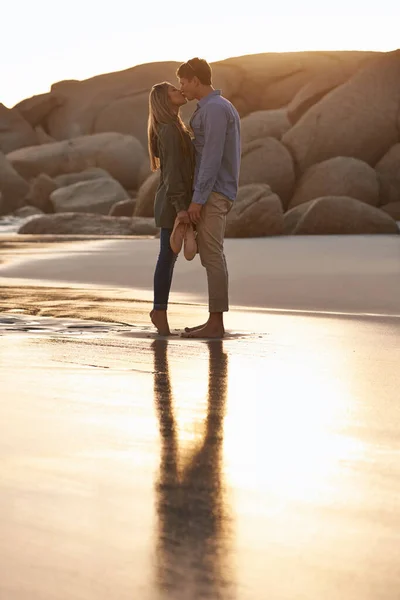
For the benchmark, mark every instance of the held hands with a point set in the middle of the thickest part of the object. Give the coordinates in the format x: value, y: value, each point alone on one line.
x: 194, y: 211
x: 183, y: 217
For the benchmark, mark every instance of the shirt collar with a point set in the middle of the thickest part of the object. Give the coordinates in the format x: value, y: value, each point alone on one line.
x: 204, y: 100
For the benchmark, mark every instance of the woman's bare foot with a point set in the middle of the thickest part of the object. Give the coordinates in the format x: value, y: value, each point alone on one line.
x: 160, y: 321
x: 209, y: 331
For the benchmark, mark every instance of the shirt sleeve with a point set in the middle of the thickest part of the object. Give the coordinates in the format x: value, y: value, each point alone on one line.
x: 215, y: 126
x: 173, y: 168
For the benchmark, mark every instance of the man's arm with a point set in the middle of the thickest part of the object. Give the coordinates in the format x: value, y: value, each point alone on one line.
x: 215, y: 126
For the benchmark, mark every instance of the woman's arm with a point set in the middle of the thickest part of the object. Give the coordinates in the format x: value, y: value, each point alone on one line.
x: 173, y: 167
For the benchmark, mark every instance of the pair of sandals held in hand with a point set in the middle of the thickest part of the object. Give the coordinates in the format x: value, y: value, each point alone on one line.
x: 183, y: 234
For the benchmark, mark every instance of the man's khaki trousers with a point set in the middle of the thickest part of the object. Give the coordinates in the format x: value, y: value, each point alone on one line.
x: 210, y: 240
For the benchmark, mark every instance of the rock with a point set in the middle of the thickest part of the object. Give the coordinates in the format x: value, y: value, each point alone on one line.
x: 392, y: 209
x: 43, y: 137
x: 87, y: 175
x: 389, y: 171
x: 123, y: 208
x: 119, y: 101
x: 268, y: 161
x: 314, y: 91
x: 15, y: 132
x: 35, y: 109
x: 256, y: 212
x: 359, y: 118
x: 88, y: 224
x: 120, y: 155
x: 13, y: 187
x: 96, y: 196
x: 40, y: 191
x: 339, y: 176
x: 264, y: 123
x: 27, y: 211
x: 337, y: 215
x: 146, y: 195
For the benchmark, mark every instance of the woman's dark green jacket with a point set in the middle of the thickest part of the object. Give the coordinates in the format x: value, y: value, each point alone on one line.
x: 175, y: 189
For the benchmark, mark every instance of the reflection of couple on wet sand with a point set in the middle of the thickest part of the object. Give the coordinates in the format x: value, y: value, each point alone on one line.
x: 192, y: 553
x: 198, y: 184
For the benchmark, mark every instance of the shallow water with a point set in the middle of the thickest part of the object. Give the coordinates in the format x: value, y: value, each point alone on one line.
x: 263, y: 466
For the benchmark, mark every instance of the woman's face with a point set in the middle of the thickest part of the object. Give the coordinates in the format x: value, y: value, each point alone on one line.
x: 175, y: 96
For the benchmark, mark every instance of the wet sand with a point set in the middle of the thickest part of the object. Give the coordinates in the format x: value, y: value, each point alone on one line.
x: 264, y: 465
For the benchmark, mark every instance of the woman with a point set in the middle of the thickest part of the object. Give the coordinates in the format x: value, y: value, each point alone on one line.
x: 171, y: 151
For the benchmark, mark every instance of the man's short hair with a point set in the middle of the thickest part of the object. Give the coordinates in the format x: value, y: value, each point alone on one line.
x: 196, y: 67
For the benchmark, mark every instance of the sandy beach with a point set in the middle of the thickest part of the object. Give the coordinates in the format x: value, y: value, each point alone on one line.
x: 263, y: 465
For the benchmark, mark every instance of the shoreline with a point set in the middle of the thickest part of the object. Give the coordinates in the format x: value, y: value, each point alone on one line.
x: 339, y: 275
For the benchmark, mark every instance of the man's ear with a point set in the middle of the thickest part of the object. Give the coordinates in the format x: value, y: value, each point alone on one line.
x: 196, y: 80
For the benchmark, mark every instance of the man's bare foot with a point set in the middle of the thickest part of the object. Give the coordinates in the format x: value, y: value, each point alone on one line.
x: 209, y: 331
x: 160, y: 321
x: 190, y: 329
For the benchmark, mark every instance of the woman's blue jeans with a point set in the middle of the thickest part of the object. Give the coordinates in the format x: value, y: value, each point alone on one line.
x: 164, y: 271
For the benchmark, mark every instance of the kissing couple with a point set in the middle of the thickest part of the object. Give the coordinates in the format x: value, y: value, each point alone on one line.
x: 199, y: 174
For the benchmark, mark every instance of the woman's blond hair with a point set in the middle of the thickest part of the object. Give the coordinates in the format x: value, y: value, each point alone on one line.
x: 161, y: 113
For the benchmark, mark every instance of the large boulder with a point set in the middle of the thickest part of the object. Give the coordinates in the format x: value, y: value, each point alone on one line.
x: 123, y: 208
x: 37, y: 108
x: 27, y: 211
x: 388, y: 169
x: 87, y: 175
x: 337, y: 215
x: 15, y: 132
x: 268, y: 161
x: 264, y: 123
x: 13, y: 188
x: 120, y: 155
x: 271, y: 80
x: 314, y: 91
x: 96, y: 196
x: 41, y: 188
x: 146, y: 194
x: 392, y: 209
x: 88, y: 224
x: 339, y: 176
x: 256, y: 212
x: 359, y: 118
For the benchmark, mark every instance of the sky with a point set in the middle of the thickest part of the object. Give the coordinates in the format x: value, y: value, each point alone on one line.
x: 43, y: 41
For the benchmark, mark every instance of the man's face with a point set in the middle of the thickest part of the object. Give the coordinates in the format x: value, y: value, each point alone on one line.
x: 188, y: 87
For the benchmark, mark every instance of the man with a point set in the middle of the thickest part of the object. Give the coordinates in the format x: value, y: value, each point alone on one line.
x: 216, y: 128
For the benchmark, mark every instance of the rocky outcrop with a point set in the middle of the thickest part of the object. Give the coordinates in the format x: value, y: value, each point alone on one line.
x: 339, y: 176
x: 97, y: 196
x: 88, y: 224
x: 13, y: 188
x: 337, y: 215
x: 268, y: 161
x: 120, y: 155
x: 257, y: 212
x: 359, y: 118
x: 15, y: 132
x: 118, y: 101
